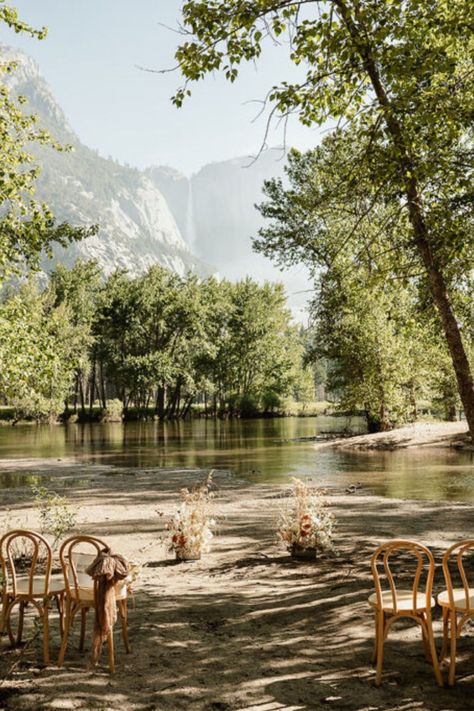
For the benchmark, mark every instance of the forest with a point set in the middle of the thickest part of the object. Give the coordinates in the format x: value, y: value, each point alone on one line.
x: 160, y: 345
x: 152, y: 345
x: 391, y: 323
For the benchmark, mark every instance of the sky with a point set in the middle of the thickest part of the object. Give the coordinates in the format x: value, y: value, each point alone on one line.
x: 91, y: 59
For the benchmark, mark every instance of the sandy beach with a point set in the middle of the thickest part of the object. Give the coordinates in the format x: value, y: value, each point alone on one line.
x: 246, y: 627
x: 417, y: 434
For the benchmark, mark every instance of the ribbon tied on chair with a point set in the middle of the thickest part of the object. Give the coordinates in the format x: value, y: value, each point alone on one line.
x: 107, y: 570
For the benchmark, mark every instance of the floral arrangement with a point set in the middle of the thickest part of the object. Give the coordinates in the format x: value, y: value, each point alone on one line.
x: 191, y: 527
x: 305, y: 522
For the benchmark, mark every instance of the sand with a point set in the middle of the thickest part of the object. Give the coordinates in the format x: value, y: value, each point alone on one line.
x: 246, y: 627
x: 418, y: 434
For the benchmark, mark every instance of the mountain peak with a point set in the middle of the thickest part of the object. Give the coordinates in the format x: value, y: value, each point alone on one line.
x: 27, y: 68
x: 136, y: 226
x: 27, y: 80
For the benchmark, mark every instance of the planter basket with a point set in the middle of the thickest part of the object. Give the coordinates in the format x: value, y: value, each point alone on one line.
x: 183, y: 555
x: 302, y: 553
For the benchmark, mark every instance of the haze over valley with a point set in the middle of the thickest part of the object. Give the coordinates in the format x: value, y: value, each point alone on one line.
x: 203, y: 223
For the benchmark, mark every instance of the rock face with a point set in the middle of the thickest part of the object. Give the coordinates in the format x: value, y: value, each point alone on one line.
x: 215, y: 211
x: 156, y: 216
x: 136, y: 227
x: 215, y: 208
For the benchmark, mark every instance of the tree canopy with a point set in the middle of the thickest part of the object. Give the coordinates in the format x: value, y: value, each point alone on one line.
x: 399, y: 78
x: 26, y: 226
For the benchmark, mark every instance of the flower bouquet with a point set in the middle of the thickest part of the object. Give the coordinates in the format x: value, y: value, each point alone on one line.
x: 305, y: 525
x: 191, y: 526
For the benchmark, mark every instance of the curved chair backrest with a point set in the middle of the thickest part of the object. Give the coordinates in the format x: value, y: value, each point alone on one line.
x: 423, y: 564
x: 74, y: 562
x: 40, y: 553
x: 458, y: 550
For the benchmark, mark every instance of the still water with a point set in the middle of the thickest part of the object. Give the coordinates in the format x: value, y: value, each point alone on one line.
x: 255, y: 450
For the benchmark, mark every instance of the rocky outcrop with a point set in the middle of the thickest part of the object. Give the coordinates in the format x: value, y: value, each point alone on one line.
x: 215, y: 208
x: 136, y: 226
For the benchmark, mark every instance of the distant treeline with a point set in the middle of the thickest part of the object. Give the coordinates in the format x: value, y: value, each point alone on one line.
x: 160, y: 345
x: 155, y: 344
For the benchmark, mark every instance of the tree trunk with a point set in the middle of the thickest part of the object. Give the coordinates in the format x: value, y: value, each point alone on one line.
x: 414, y: 406
x: 373, y: 423
x: 81, y: 394
x: 92, y: 387
x: 103, y: 395
x: 422, y: 241
x: 76, y: 392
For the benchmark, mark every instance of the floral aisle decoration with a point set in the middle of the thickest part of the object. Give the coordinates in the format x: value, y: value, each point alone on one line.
x: 305, y: 526
x: 191, y: 527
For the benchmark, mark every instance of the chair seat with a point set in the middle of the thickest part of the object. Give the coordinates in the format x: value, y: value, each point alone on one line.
x: 56, y: 587
x: 459, y: 599
x: 86, y: 594
x: 404, y: 601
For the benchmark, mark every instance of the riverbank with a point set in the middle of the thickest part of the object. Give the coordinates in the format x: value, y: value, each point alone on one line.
x: 418, y: 434
x: 246, y: 627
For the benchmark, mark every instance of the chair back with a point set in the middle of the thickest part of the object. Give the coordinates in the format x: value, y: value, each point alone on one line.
x: 74, y: 562
x: 457, y: 552
x: 35, y: 552
x: 414, y: 561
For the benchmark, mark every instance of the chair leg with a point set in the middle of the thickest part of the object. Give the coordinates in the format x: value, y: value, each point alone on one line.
x: 83, y: 628
x: 426, y: 643
x: 21, y: 617
x: 3, y: 619
x: 8, y: 624
x: 60, y: 605
x: 7, y: 605
x: 428, y: 626
x: 444, y: 647
x: 67, y: 622
x: 380, y: 641
x: 46, y: 631
x: 452, y: 662
x: 123, y: 612
x: 110, y: 644
x: 376, y: 638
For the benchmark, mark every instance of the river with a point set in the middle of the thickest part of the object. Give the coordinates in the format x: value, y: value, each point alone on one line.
x: 267, y: 450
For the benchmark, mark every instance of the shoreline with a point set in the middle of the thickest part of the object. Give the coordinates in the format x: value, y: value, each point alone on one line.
x: 419, y: 434
x: 246, y: 627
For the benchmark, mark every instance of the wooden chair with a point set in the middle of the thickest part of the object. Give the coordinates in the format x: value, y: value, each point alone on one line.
x: 80, y: 595
x: 414, y: 601
x: 28, y: 586
x: 455, y: 601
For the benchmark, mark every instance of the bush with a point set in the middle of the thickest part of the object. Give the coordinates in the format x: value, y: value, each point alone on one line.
x: 57, y: 517
x: 271, y: 401
x: 113, y: 412
x: 248, y: 406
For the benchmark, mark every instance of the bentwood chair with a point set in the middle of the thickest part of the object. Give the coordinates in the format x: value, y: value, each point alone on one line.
x: 26, y: 579
x: 80, y: 592
x: 455, y: 602
x: 391, y: 603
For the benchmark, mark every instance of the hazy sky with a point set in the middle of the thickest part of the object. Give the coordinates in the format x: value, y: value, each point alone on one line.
x: 90, y: 59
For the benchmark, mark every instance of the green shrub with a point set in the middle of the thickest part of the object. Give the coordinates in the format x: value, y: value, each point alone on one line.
x: 113, y: 412
x: 248, y: 406
x: 271, y: 401
x: 57, y: 517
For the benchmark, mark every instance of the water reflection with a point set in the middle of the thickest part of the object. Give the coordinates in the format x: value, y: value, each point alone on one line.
x: 258, y: 450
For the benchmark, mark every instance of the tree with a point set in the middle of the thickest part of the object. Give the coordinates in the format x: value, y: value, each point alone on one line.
x: 400, y: 75
x: 39, y: 348
x: 26, y: 226
x: 382, y: 358
x: 260, y: 339
x: 373, y: 323
x: 80, y: 289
